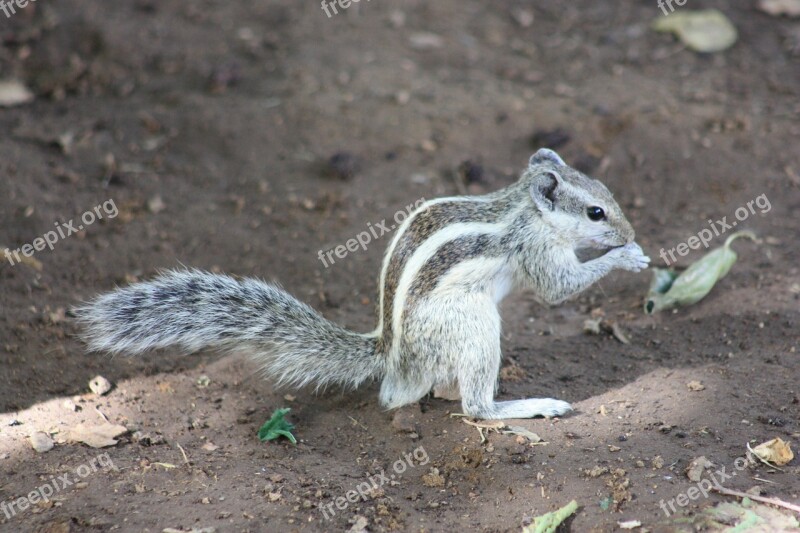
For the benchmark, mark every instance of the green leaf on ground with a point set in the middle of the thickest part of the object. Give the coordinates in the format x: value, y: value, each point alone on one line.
x: 547, y: 523
x: 277, y: 426
x: 703, y: 31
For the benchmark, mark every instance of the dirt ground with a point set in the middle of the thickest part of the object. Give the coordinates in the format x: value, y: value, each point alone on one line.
x: 211, y: 126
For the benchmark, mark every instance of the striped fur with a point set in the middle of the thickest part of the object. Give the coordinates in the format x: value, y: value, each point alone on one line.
x: 446, y: 269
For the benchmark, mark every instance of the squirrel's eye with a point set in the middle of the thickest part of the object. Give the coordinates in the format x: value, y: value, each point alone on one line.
x: 596, y: 213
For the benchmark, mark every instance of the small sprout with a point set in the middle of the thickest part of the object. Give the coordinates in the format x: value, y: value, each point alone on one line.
x: 669, y: 289
x: 277, y: 426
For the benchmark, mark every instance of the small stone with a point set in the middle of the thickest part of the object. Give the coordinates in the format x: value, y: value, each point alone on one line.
x: 360, y: 524
x: 523, y: 17
x: 99, y: 385
x: 397, y: 18
x: 155, y: 204
x: 41, y: 442
x: 13, y: 93
x: 343, y: 165
x: 425, y: 41
x: 405, y: 419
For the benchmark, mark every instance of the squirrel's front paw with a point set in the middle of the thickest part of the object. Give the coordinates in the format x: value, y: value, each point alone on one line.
x: 629, y: 257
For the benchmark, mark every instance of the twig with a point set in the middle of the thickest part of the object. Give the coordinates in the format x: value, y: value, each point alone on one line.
x: 358, y: 423
x: 764, y: 480
x: 183, y: 452
x: 771, y: 501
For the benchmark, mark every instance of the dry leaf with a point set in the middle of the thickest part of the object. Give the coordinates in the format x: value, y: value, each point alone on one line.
x: 696, y: 468
x: 775, y: 451
x: 99, y: 436
x: 776, y: 8
x: 433, y: 479
x: 695, y: 386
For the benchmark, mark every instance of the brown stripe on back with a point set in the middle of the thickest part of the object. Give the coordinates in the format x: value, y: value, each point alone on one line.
x: 448, y: 256
x: 425, y: 224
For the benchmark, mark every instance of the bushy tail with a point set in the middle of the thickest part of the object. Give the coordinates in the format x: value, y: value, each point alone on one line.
x: 294, y: 344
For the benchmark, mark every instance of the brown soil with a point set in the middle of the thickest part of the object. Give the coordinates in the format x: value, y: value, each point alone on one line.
x: 230, y: 111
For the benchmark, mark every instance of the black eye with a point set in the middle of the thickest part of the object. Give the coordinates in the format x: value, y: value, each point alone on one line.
x: 596, y: 213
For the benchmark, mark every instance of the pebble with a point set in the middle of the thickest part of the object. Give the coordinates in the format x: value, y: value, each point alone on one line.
x: 41, y: 442
x: 99, y: 385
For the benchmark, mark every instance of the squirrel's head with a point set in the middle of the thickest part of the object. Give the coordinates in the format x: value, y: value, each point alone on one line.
x: 581, y: 210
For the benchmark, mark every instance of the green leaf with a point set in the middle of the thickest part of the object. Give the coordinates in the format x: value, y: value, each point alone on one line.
x: 669, y: 290
x: 547, y: 523
x: 277, y: 426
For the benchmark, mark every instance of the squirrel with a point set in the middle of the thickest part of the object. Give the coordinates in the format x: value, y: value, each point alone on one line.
x: 448, y: 266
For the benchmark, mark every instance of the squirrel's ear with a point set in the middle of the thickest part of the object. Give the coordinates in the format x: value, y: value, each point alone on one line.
x: 543, y: 190
x: 545, y: 155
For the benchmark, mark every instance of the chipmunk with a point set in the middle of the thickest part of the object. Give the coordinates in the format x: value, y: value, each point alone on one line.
x: 448, y: 266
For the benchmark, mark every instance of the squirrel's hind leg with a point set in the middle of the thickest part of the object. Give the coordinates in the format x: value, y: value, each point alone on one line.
x: 478, y: 369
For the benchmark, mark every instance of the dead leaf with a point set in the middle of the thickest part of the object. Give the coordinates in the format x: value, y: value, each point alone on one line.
x: 775, y: 451
x: 696, y: 468
x: 591, y: 326
x: 433, y: 479
x: 695, y: 386
x: 616, y: 331
x: 99, y: 436
x: 776, y: 8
